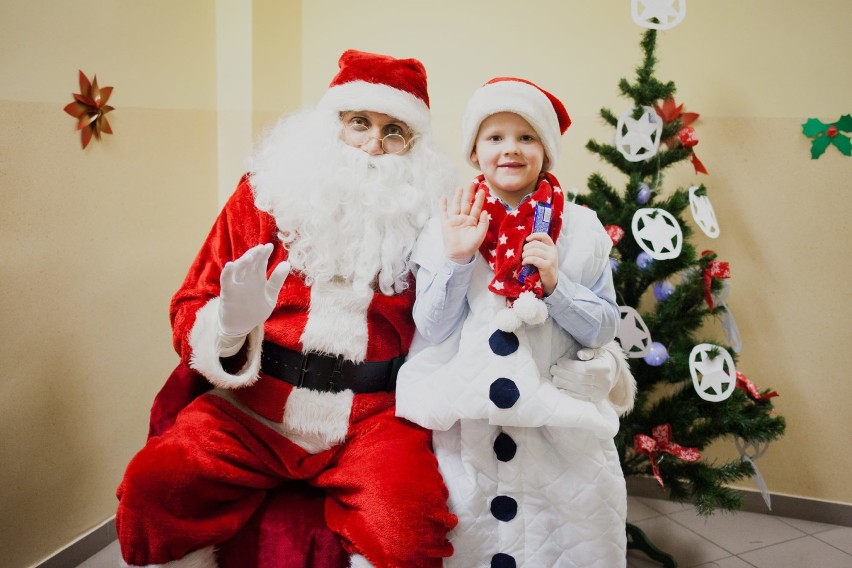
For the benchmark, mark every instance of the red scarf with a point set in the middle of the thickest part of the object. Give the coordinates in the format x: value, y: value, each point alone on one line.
x: 507, y: 233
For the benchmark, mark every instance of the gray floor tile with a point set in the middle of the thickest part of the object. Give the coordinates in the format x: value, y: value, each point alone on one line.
x: 687, y: 547
x: 805, y: 552
x: 738, y: 532
x: 730, y: 562
x: 839, y: 537
x: 664, y: 506
x: 807, y: 527
x: 637, y: 510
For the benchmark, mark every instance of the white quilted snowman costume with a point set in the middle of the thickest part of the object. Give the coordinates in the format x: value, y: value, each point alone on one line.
x: 532, y: 472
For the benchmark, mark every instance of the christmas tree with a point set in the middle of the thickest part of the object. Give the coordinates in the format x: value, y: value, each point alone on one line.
x: 675, y: 291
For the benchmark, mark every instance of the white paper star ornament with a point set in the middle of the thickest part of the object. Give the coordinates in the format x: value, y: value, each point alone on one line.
x: 638, y: 138
x: 714, y: 377
x: 633, y: 334
x: 668, y: 13
x: 657, y: 232
x: 703, y: 213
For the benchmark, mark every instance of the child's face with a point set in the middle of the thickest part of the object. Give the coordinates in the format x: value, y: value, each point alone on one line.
x: 510, y: 155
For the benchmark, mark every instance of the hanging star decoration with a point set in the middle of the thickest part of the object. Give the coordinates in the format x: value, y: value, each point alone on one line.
x: 633, y: 333
x: 669, y: 111
x: 825, y: 135
x: 713, y: 372
x: 657, y: 232
x: 89, y: 108
x: 638, y: 139
x: 667, y: 13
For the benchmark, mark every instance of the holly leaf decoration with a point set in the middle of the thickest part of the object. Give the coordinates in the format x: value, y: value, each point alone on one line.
x: 814, y: 127
x: 844, y: 123
x: 843, y: 144
x: 825, y: 135
x: 819, y: 146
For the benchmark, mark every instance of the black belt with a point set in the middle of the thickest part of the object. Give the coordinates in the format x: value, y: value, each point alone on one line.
x: 326, y: 373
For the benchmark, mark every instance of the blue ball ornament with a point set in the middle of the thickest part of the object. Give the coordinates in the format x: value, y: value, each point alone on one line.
x: 663, y: 289
x: 644, y: 260
x: 644, y: 193
x: 657, y: 356
x: 613, y: 264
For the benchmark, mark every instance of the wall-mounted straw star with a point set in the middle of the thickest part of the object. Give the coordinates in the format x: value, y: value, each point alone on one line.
x: 89, y: 108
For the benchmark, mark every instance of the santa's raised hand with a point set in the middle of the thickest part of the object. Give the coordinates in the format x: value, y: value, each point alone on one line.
x: 464, y: 223
x: 247, y: 297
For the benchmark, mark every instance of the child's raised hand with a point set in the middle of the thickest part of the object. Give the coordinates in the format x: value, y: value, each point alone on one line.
x: 464, y: 223
x: 540, y: 251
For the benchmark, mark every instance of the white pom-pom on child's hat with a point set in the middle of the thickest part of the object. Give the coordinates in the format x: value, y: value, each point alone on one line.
x: 545, y: 113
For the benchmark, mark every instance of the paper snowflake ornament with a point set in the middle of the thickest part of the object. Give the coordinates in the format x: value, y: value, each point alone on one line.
x: 638, y: 138
x: 633, y: 334
x: 749, y: 451
x: 668, y: 13
x: 713, y: 373
x: 702, y: 212
x: 657, y: 232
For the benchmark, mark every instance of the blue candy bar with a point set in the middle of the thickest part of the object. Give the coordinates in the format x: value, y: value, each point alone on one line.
x: 541, y: 224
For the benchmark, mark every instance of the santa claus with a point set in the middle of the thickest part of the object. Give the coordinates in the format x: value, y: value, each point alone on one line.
x: 298, y: 310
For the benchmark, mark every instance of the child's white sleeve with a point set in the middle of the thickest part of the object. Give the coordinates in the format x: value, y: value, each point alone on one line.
x: 441, y: 290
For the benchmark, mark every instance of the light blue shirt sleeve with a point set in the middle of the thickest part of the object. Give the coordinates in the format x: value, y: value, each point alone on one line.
x: 441, y: 303
x: 590, y: 315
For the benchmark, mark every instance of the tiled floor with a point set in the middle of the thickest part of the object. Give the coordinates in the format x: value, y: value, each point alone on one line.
x: 740, y: 540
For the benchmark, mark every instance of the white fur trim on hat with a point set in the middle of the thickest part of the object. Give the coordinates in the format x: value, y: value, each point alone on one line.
x: 520, y: 98
x: 361, y: 95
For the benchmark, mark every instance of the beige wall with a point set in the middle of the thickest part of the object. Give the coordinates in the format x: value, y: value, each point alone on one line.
x: 93, y: 243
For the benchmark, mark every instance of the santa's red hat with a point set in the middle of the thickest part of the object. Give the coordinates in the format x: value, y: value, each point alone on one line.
x: 380, y: 83
x: 545, y: 113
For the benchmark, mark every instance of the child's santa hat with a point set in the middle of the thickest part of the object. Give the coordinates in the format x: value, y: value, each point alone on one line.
x: 380, y: 83
x: 545, y: 113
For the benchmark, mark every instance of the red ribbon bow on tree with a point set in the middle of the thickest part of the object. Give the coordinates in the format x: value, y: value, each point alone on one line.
x: 714, y: 269
x: 670, y: 111
x: 750, y: 389
x: 661, y: 441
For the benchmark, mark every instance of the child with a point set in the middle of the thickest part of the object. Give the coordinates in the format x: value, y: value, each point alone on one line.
x: 514, y: 364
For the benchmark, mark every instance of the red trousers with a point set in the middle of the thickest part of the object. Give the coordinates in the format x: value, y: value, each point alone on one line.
x: 199, y: 482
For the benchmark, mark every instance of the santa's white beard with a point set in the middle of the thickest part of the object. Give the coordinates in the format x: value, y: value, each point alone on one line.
x: 341, y: 213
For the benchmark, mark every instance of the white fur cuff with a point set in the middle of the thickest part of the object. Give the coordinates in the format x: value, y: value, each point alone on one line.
x: 206, y: 353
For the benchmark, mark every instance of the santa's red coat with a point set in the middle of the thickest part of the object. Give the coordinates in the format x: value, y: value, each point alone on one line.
x: 329, y: 318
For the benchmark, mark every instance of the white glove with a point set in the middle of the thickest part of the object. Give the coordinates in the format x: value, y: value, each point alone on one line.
x: 590, y: 378
x: 247, y: 298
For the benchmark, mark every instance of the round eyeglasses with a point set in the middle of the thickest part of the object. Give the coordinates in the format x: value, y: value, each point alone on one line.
x: 390, y: 143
